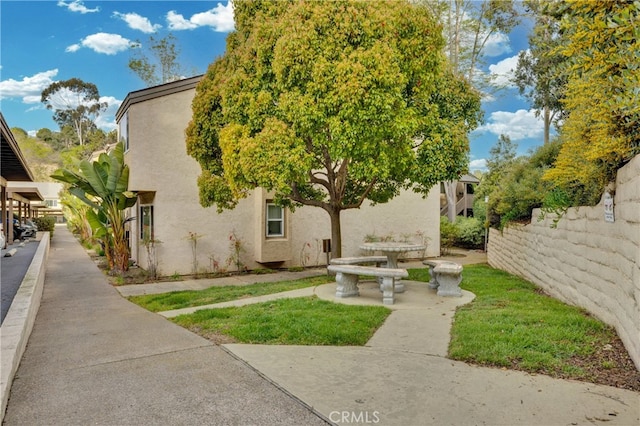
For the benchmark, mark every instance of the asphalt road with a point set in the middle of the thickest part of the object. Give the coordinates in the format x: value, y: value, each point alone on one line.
x: 12, y: 271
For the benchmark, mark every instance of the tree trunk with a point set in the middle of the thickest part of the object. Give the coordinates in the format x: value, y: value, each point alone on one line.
x: 450, y: 189
x: 547, y: 124
x: 78, y: 126
x: 336, y: 233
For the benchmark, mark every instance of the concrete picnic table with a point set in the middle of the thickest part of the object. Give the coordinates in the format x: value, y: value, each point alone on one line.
x: 392, y: 250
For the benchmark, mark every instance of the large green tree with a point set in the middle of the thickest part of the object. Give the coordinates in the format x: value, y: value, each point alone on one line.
x: 601, y: 43
x: 467, y: 28
x: 329, y: 104
x: 75, y: 103
x: 539, y: 74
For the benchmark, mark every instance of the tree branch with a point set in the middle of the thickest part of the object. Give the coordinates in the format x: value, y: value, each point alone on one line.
x: 362, y: 197
x: 297, y: 197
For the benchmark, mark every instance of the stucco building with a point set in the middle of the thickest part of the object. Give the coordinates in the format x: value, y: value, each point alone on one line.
x: 152, y: 125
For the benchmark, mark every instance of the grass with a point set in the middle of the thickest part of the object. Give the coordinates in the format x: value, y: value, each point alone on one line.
x: 298, y: 321
x: 189, y: 298
x: 512, y: 324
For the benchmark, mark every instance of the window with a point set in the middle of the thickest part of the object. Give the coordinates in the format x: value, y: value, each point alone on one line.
x: 146, y: 223
x: 470, y: 188
x: 275, y: 220
x: 51, y: 203
x: 123, y: 131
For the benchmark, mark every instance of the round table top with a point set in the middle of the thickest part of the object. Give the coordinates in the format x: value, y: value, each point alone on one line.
x: 392, y: 246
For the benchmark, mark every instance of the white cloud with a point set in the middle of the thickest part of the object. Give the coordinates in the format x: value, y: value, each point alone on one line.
x: 479, y: 164
x: 33, y: 99
x: 517, y: 125
x: 138, y: 22
x: 502, y: 72
x: 107, y: 121
x: 106, y: 43
x: 35, y: 107
x: 220, y: 19
x: 73, y: 48
x: 77, y: 6
x: 497, y: 44
x: 29, y: 88
x: 177, y: 22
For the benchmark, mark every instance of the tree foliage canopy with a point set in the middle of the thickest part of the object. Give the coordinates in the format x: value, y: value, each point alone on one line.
x: 539, y: 73
x: 602, y: 130
x: 329, y: 104
x: 160, y: 63
x: 75, y: 103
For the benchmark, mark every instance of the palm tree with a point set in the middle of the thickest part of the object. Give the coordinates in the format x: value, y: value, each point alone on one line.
x: 103, y: 186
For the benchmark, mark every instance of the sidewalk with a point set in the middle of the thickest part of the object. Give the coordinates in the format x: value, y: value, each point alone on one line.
x: 95, y: 358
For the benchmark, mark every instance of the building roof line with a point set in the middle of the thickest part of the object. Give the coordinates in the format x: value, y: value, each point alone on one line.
x: 13, y: 150
x: 156, y: 92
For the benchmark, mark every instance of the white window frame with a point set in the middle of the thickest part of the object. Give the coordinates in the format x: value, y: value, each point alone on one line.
x: 269, y: 220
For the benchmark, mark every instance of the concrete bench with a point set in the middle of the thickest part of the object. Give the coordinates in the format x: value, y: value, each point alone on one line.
x: 380, y: 261
x: 361, y: 260
x: 432, y: 263
x: 445, y: 276
x: 347, y: 279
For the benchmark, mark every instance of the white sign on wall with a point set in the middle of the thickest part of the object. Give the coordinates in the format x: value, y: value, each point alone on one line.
x: 608, y: 208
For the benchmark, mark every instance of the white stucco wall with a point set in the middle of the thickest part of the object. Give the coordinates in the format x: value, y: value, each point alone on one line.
x: 159, y: 163
x: 585, y: 261
x: 405, y: 215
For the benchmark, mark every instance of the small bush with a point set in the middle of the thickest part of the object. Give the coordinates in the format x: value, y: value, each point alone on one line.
x: 470, y: 232
x: 448, y: 235
x: 45, y: 223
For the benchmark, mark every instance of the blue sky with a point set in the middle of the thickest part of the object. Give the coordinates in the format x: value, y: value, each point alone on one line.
x: 51, y: 40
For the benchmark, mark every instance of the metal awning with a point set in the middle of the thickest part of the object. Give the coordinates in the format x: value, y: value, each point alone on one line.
x: 25, y: 195
x: 13, y: 166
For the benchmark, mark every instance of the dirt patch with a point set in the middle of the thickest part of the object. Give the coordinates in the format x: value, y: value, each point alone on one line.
x: 215, y: 338
x: 610, y: 365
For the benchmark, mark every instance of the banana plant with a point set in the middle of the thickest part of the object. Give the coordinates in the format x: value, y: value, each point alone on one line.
x: 75, y: 211
x: 103, y: 186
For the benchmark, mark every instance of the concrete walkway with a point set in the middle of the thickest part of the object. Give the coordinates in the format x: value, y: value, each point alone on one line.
x: 401, y: 377
x: 95, y: 358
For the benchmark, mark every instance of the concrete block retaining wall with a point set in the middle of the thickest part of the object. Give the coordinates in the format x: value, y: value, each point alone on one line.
x: 585, y: 261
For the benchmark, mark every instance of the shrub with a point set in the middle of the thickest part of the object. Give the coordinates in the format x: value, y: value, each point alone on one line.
x: 45, y: 223
x: 470, y: 232
x: 448, y: 235
x: 519, y: 186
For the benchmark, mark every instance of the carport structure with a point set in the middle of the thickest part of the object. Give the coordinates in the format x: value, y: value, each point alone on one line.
x: 13, y: 167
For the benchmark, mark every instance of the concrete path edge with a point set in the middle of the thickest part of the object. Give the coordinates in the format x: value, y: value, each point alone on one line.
x: 277, y: 385
x: 17, y: 325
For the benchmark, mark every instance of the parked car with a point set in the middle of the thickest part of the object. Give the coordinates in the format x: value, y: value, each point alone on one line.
x: 18, y: 230
x: 29, y: 229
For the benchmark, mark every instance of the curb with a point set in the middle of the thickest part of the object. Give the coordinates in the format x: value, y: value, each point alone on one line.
x: 17, y: 325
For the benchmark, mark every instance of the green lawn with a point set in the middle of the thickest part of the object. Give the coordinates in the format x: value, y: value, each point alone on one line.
x: 299, y: 321
x: 189, y: 298
x: 509, y: 324
x: 512, y: 324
